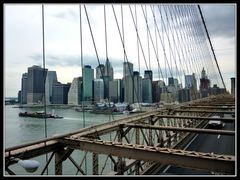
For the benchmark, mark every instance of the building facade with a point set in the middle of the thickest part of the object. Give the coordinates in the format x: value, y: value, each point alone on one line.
x: 115, y: 90
x: 88, y: 77
x: 75, y: 92
x: 137, y: 89
x: 98, y: 92
x: 127, y: 69
x: 100, y: 70
x: 50, y: 80
x: 108, y: 71
x: 60, y: 93
x: 128, y: 89
x: 24, y: 88
x: 36, y: 83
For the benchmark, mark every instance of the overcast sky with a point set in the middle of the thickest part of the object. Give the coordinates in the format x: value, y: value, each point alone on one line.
x: 23, y: 40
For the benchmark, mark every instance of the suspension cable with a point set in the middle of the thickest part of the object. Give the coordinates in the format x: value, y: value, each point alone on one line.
x: 211, y: 45
x: 123, y: 44
x: 82, y: 89
x: 44, y: 75
x: 137, y: 40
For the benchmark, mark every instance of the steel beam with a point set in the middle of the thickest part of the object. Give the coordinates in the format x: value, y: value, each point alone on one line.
x: 181, y: 158
x: 208, y: 107
x: 33, y: 150
x: 170, y: 128
x: 95, y: 163
x: 58, y: 161
x: 204, y: 111
x: 197, y: 118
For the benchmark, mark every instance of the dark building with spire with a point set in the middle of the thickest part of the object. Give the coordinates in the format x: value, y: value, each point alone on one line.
x: 204, y: 85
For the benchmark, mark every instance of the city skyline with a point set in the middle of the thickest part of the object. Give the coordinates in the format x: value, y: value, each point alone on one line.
x: 67, y: 58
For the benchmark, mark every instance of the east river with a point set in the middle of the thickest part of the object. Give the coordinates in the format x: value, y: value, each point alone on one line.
x: 20, y: 130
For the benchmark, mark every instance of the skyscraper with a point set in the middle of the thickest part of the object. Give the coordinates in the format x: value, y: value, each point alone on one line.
x: 204, y: 84
x: 233, y: 85
x: 137, y: 89
x: 157, y: 90
x: 60, y: 93
x: 191, y: 83
x: 100, y: 70
x: 115, y: 90
x: 75, y: 93
x: 108, y: 71
x: 98, y: 87
x: 127, y: 69
x: 146, y: 90
x: 170, y: 81
x: 148, y: 74
x: 36, y: 84
x: 128, y: 89
x: 147, y: 87
x: 88, y: 76
x: 50, y: 80
x: 24, y: 88
x: 128, y: 82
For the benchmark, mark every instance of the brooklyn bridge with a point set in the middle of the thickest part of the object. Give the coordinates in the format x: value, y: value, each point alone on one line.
x: 166, y: 139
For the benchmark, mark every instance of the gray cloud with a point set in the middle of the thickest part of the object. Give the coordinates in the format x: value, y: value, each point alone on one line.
x: 74, y: 60
x: 220, y: 20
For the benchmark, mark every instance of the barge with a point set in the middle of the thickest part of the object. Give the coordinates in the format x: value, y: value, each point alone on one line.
x: 38, y: 114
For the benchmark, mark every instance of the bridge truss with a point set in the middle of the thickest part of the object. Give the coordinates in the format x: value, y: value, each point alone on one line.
x: 141, y: 144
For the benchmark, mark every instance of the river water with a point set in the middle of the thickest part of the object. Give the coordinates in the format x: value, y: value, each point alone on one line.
x: 19, y: 130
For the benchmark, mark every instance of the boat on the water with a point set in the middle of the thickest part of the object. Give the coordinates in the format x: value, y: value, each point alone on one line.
x: 38, y: 114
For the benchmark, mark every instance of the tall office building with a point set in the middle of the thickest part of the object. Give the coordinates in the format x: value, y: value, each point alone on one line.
x: 127, y: 82
x: 137, y: 89
x: 157, y: 90
x: 24, y: 88
x: 50, y: 80
x: 148, y: 74
x: 115, y: 90
x: 191, y: 83
x: 36, y: 84
x: 184, y: 95
x: 233, y: 86
x: 128, y: 89
x: 88, y: 76
x: 127, y: 69
x: 204, y: 85
x: 175, y: 82
x: 146, y: 90
x: 98, y: 92
x: 147, y: 87
x: 19, y: 96
x: 170, y: 81
x: 100, y: 70
x: 60, y: 93
x: 108, y: 70
x: 75, y: 91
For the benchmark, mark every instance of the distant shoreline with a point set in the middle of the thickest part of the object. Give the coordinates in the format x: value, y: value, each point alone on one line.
x: 50, y: 105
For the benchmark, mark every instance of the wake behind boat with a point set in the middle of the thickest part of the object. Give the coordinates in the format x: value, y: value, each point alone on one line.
x: 38, y: 114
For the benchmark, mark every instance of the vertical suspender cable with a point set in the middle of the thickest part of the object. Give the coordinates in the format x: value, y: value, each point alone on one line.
x: 137, y: 40
x: 44, y: 74
x: 149, y: 59
x: 105, y: 23
x: 123, y: 31
x: 211, y: 45
x: 82, y: 89
x: 109, y: 116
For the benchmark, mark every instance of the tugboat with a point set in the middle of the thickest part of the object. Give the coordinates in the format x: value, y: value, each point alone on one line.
x: 38, y: 114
